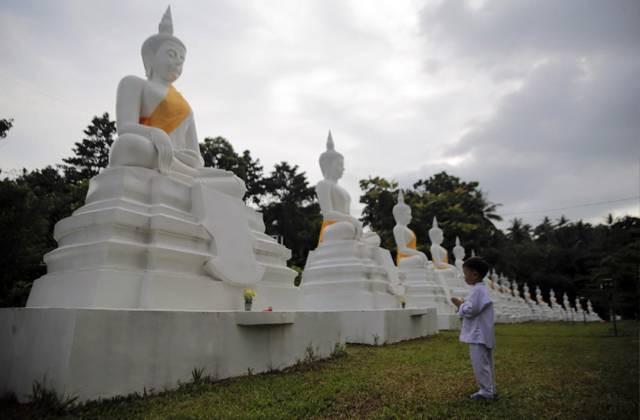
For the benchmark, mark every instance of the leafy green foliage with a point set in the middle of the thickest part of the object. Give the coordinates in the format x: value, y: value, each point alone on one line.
x: 92, y: 153
x: 460, y: 207
x: 290, y: 211
x: 5, y: 126
x: 217, y: 152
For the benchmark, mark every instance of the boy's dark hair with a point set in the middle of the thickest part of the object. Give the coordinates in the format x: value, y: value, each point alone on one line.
x: 478, y: 265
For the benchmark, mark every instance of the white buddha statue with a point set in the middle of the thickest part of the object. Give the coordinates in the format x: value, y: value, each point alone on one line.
x: 406, y: 240
x: 514, y: 289
x: 422, y: 290
x: 559, y: 313
x: 567, y: 307
x: 155, y: 123
x: 158, y: 230
x: 458, y: 253
x: 335, y: 202
x: 366, y: 277
x: 439, y: 254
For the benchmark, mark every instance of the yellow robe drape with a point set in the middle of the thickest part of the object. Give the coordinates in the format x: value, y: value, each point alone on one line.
x: 411, y: 244
x: 169, y: 113
x: 325, y: 223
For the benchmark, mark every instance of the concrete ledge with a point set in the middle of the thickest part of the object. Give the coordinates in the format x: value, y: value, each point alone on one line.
x: 265, y: 318
x: 101, y: 353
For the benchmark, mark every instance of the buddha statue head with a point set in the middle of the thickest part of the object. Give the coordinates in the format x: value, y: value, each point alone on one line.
x: 401, y: 211
x: 163, y: 54
x: 435, y: 233
x: 331, y: 162
x: 514, y: 288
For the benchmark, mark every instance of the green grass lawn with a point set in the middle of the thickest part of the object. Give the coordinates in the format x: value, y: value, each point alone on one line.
x: 553, y: 370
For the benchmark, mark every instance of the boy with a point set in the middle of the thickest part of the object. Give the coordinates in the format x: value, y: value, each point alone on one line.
x: 477, y: 327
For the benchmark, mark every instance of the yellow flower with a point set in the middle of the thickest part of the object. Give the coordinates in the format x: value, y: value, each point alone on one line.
x: 249, y: 294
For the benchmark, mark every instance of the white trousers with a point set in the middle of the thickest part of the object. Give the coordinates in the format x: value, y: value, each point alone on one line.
x: 482, y: 362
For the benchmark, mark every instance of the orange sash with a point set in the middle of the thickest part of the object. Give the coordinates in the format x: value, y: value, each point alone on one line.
x: 325, y: 223
x: 445, y: 262
x: 411, y: 244
x: 169, y: 113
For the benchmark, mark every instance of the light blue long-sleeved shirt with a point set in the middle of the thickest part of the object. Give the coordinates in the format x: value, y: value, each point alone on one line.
x: 477, y: 318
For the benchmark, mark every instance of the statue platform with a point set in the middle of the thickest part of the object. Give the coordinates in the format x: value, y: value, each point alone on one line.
x: 136, y: 244
x: 349, y: 275
x: 423, y: 292
x: 102, y: 353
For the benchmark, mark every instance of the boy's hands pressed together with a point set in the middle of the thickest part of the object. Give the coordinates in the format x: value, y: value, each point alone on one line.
x: 457, y: 301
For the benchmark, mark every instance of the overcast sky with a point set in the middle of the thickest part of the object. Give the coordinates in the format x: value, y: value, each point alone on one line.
x: 539, y: 101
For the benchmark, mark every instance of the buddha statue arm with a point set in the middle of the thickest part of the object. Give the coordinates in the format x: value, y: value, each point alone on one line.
x: 400, y: 236
x: 191, y: 155
x: 128, y: 103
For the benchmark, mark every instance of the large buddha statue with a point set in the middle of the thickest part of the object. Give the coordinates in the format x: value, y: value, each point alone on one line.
x: 155, y: 123
x: 335, y: 201
x: 406, y: 240
x: 158, y: 230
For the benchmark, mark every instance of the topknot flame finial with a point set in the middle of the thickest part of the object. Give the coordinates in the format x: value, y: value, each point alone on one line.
x: 400, y: 197
x: 166, y: 24
x: 330, y: 144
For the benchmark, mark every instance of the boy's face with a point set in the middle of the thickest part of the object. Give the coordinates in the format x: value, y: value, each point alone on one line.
x: 471, y: 277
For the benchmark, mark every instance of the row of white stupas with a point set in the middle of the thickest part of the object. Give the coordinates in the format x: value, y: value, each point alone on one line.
x: 511, y: 306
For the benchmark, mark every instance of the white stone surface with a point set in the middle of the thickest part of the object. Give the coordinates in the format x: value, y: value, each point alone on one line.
x: 92, y: 353
x: 378, y: 327
x: 135, y: 244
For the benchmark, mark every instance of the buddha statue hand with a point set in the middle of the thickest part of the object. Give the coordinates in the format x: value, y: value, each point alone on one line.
x: 163, y: 145
x: 188, y: 157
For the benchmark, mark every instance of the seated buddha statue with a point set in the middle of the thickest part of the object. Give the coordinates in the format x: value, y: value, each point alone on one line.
x: 439, y: 255
x: 335, y: 202
x: 407, y: 255
x: 458, y: 253
x: 155, y: 123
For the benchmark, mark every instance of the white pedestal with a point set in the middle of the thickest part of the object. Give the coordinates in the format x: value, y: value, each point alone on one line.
x: 422, y: 291
x: 98, y: 353
x: 137, y: 244
x: 348, y: 275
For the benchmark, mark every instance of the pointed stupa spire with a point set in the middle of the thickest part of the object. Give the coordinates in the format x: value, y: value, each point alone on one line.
x: 330, y: 144
x: 166, y: 24
x: 435, y: 223
x: 400, y: 197
x: 457, y: 241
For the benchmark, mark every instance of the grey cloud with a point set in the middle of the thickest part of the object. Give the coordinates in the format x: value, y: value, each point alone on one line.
x: 569, y: 134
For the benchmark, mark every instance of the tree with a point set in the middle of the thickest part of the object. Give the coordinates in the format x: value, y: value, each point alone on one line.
x: 217, y: 152
x: 92, y: 153
x: 30, y: 206
x: 379, y: 197
x: 5, y: 126
x: 461, y: 208
x: 291, y: 211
